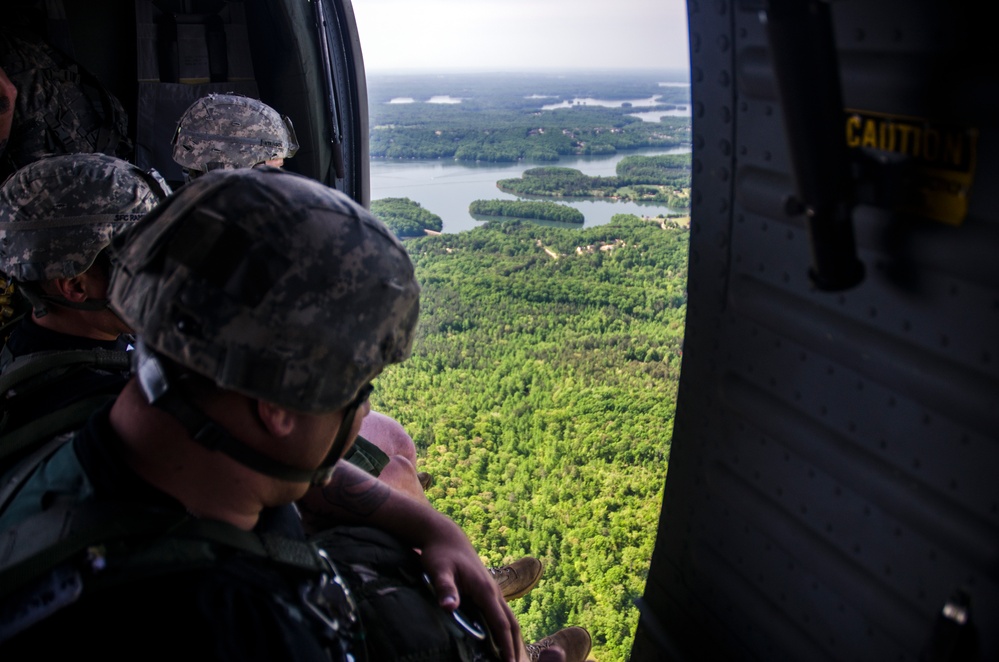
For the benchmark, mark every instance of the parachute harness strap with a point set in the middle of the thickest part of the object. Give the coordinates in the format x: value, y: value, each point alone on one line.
x: 38, y: 300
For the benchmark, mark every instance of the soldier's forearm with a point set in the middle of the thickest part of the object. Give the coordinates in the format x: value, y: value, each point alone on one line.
x: 355, y: 497
x: 351, y: 496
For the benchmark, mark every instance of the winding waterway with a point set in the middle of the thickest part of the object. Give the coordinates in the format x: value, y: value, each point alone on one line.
x: 447, y: 187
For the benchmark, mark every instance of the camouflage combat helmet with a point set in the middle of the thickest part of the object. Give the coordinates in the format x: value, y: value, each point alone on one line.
x: 58, y: 213
x: 271, y: 285
x: 227, y: 131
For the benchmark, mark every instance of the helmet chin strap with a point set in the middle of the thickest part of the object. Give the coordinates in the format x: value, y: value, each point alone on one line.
x: 160, y: 391
x: 91, y: 305
x: 39, y: 301
x: 339, y: 447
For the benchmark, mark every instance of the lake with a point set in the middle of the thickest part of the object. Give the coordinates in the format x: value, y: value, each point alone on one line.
x: 447, y: 187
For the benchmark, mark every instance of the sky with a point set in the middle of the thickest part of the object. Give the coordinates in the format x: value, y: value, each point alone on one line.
x: 521, y: 35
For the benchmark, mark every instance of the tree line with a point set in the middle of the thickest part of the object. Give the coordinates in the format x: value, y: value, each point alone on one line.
x: 432, y: 131
x: 405, y: 217
x: 539, y: 210
x: 662, y: 178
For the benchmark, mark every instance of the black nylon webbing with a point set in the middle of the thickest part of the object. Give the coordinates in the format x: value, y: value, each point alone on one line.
x: 67, y: 529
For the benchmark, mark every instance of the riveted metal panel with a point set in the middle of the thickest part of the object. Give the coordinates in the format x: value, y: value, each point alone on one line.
x: 832, y: 477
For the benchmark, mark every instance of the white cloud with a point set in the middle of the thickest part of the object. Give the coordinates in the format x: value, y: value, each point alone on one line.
x: 522, y: 34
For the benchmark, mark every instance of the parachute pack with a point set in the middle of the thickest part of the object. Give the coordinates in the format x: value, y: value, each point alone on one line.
x: 89, y: 117
x: 78, y: 547
x: 361, y: 579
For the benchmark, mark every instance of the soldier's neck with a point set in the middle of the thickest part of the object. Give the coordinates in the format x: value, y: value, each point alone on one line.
x: 208, y: 483
x: 73, y: 323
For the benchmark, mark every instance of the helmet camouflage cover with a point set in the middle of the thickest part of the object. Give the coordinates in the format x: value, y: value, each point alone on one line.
x: 270, y: 284
x: 227, y: 131
x: 58, y: 213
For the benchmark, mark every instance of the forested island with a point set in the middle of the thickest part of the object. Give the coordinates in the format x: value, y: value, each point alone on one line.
x: 664, y: 178
x: 405, y: 217
x: 537, y: 210
x: 506, y: 120
x: 541, y: 394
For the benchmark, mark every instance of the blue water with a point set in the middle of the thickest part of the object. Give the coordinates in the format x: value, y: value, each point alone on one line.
x: 446, y: 188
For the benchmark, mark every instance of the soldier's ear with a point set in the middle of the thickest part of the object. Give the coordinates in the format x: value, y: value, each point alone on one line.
x: 71, y: 289
x: 278, y: 421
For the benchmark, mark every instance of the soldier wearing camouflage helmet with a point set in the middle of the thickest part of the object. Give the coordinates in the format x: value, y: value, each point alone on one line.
x: 302, y: 319
x: 265, y: 305
x: 57, y: 217
x: 228, y: 131
x: 58, y: 213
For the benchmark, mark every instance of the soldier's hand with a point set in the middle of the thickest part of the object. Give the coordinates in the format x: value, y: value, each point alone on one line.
x: 353, y: 496
x: 8, y: 95
x: 456, y: 570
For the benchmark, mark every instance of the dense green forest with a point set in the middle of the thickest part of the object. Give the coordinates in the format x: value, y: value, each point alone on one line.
x: 405, y: 217
x: 505, y: 122
x: 546, y: 211
x: 541, y: 394
x: 662, y: 178
x: 496, y: 136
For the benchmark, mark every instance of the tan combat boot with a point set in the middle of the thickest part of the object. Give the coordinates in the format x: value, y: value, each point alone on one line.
x: 517, y: 579
x: 574, y: 642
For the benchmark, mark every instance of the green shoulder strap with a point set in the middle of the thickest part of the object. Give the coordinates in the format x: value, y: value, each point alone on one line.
x: 26, y: 368
x: 29, y: 366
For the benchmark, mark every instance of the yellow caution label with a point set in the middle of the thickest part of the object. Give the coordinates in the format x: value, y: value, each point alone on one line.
x: 941, y: 159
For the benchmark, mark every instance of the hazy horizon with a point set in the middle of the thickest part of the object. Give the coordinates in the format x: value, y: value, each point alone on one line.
x: 400, y: 37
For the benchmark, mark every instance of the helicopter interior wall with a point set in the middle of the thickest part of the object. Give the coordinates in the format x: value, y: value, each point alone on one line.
x: 831, y: 492
x: 290, y: 78
x: 284, y: 53
x: 112, y: 60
